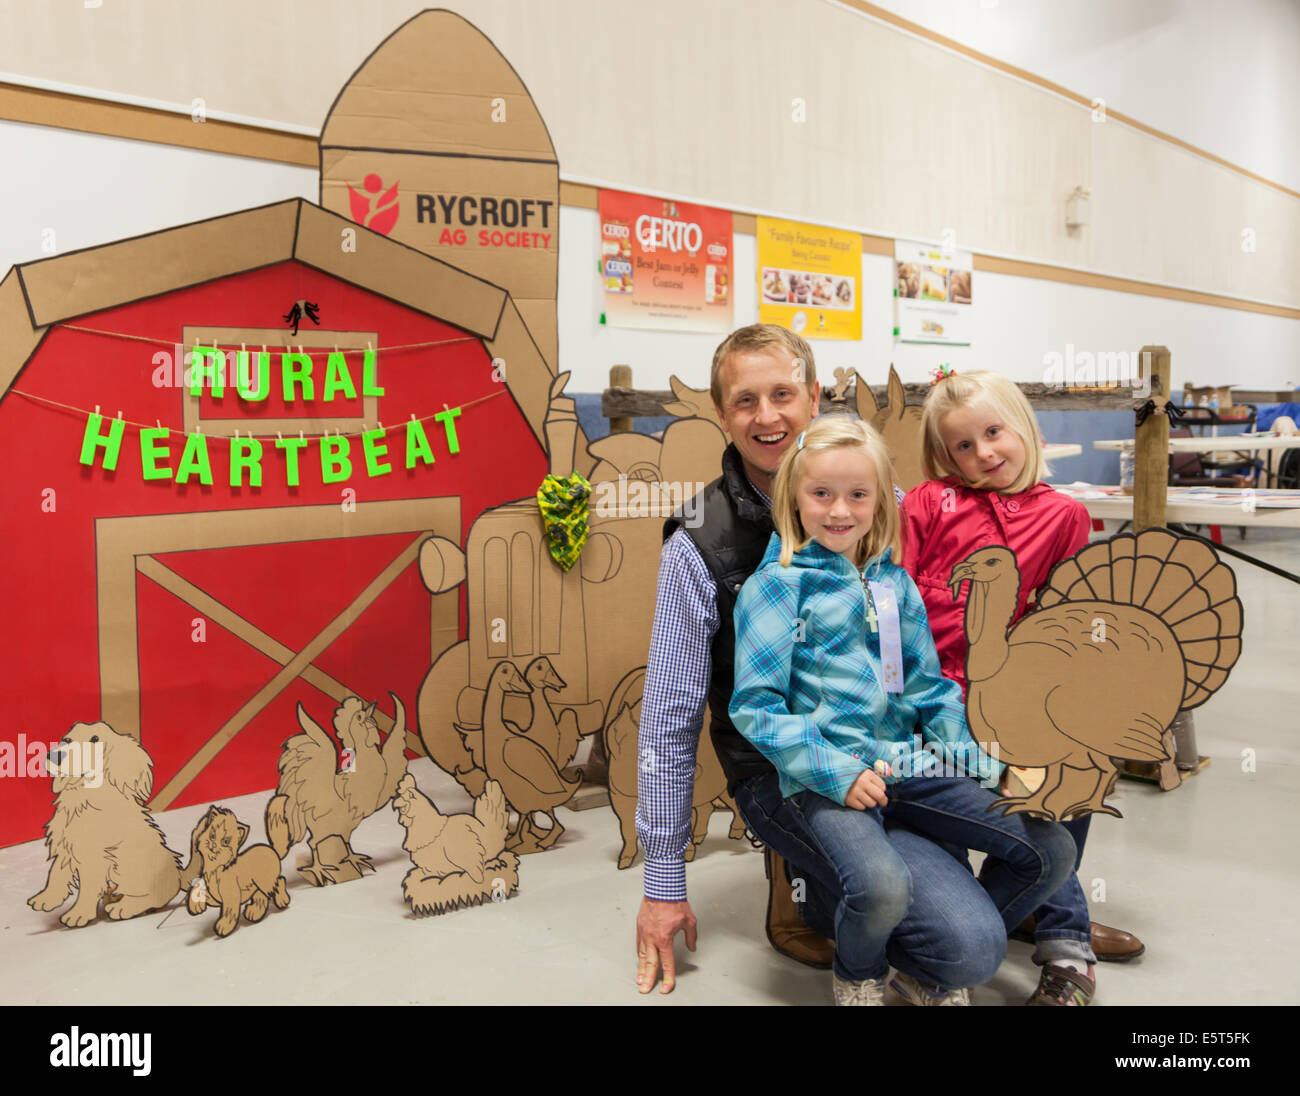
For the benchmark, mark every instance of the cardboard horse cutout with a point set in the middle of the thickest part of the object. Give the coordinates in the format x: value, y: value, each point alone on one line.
x: 1127, y: 632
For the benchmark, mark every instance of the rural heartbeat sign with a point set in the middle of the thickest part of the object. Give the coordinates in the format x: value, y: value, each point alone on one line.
x: 253, y: 383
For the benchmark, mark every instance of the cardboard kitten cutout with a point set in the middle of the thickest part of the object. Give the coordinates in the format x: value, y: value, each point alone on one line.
x: 230, y: 880
x: 460, y: 859
x: 1126, y: 633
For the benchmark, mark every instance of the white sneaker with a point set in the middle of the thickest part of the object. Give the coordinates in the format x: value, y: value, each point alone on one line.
x: 870, y: 991
x: 906, y: 990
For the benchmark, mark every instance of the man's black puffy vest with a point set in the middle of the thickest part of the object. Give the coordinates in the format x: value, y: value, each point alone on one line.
x: 735, y: 527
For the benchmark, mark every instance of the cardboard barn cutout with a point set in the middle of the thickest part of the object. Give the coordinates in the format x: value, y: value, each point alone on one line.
x: 103, y: 842
x: 1126, y: 633
x: 230, y: 880
x: 460, y: 859
x: 898, y: 424
x: 325, y: 793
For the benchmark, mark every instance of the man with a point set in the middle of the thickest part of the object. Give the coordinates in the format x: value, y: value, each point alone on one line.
x: 765, y: 390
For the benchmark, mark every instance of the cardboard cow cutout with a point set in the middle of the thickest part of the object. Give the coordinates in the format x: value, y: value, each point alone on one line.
x: 103, y: 842
x: 324, y: 793
x: 898, y: 423
x: 232, y: 880
x: 1126, y: 633
x: 459, y: 859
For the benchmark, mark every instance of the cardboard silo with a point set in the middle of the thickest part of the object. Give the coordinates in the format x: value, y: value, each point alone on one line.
x: 436, y: 142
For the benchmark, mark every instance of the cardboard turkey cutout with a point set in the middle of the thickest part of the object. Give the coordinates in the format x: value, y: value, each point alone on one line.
x: 1127, y: 632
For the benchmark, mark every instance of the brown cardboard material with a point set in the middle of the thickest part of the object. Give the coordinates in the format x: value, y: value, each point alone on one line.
x: 103, y: 842
x: 709, y: 792
x: 324, y: 793
x: 1127, y: 632
x: 898, y: 424
x: 231, y: 880
x: 17, y: 336
x: 436, y: 115
x: 160, y: 262
x: 459, y: 859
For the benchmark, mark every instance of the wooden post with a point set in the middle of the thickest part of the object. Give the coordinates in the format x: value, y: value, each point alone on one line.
x: 620, y: 376
x: 1151, y: 464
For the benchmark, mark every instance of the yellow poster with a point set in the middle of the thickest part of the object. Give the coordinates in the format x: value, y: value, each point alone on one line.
x: 809, y: 278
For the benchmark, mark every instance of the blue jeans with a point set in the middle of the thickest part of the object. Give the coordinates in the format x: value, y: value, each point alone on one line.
x: 948, y: 934
x: 1063, y: 927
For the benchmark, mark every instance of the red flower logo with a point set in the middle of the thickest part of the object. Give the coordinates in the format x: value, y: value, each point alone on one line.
x: 378, y: 212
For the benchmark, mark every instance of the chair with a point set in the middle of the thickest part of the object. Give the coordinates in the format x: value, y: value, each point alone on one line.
x: 1190, y: 469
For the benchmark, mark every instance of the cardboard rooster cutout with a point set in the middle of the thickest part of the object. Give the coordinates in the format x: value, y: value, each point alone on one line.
x: 1127, y: 632
x: 459, y: 859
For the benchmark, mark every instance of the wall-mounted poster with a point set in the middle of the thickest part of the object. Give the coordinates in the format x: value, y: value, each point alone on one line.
x: 933, y: 291
x: 809, y: 279
x: 665, y: 265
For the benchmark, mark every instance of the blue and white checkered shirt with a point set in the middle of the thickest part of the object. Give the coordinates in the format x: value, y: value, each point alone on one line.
x: 672, y: 710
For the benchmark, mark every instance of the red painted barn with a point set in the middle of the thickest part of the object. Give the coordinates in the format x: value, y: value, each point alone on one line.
x: 197, y: 615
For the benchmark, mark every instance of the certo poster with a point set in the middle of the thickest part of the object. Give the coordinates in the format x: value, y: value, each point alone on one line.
x: 933, y: 293
x: 809, y: 278
x: 665, y: 265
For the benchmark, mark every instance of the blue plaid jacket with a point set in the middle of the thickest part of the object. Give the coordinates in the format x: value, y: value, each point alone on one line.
x: 809, y: 692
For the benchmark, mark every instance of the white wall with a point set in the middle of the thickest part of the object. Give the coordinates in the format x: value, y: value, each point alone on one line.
x: 90, y: 190
x: 1219, y: 74
x: 1017, y: 322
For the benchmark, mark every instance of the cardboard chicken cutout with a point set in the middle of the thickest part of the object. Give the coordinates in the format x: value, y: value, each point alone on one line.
x: 326, y: 792
x: 1126, y: 633
x: 230, y: 880
x: 103, y: 842
x: 459, y: 859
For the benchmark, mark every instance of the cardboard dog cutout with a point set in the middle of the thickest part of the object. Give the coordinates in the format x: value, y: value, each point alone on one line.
x: 1126, y: 633
x: 459, y: 859
x: 324, y: 793
x: 103, y: 842
x: 231, y: 880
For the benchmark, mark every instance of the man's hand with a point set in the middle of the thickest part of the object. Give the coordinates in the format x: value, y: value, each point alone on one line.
x: 868, y: 791
x: 656, y: 925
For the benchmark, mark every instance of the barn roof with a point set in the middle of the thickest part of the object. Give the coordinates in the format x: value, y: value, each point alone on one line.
x: 37, y: 295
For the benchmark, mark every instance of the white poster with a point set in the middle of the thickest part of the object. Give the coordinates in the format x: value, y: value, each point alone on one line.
x: 933, y: 294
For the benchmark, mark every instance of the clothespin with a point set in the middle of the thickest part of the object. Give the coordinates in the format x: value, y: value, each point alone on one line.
x: 278, y: 437
x: 119, y: 414
x: 97, y: 410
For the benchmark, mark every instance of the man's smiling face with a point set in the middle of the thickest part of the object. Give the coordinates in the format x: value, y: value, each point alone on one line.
x: 766, y: 405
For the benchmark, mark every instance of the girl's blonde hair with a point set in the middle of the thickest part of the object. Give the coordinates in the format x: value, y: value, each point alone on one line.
x: 1006, y: 401
x: 836, y: 432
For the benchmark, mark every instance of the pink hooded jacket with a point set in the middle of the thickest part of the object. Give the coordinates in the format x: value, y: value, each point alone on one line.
x: 944, y: 521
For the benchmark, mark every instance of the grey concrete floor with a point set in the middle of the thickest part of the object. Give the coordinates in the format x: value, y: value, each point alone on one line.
x: 1205, y: 875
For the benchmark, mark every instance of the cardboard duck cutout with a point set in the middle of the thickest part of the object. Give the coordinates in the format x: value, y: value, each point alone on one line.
x: 459, y: 859
x: 103, y: 842
x: 324, y: 793
x: 436, y: 142
x: 1126, y: 633
x: 231, y: 880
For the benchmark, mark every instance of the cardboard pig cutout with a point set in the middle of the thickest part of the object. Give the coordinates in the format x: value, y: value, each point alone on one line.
x: 1127, y: 632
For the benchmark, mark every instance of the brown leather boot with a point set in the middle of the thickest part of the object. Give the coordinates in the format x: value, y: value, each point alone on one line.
x: 1108, y: 945
x: 785, y: 928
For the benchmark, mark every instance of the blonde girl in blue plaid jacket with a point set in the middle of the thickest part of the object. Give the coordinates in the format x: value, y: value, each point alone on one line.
x: 838, y: 685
